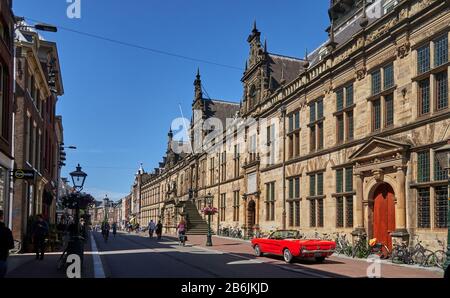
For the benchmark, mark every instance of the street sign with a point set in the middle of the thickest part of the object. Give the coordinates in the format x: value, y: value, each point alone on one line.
x: 23, y: 174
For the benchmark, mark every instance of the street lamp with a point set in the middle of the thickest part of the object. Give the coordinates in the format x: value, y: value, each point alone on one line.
x: 209, y: 211
x: 443, y: 157
x: 78, y: 178
x: 105, y: 203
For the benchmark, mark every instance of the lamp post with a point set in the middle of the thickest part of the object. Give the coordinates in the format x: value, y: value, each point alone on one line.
x: 78, y: 178
x: 209, y: 199
x: 443, y: 157
x: 105, y: 208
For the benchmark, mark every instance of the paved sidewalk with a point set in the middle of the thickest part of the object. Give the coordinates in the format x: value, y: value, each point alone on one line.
x: 26, y: 265
x: 339, y: 265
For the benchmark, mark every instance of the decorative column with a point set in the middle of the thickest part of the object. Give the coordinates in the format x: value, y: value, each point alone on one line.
x: 400, y: 211
x: 358, y: 216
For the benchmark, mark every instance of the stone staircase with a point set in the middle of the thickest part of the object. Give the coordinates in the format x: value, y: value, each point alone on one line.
x: 196, y: 224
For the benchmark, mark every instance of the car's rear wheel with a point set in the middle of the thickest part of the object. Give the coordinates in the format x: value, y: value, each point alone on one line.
x: 320, y: 259
x: 287, y: 256
x: 258, y: 252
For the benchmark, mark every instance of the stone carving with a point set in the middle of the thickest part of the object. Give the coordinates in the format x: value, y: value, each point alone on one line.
x: 361, y: 73
x: 403, y: 50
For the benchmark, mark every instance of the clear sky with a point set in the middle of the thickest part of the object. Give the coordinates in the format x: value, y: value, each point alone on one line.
x: 119, y: 101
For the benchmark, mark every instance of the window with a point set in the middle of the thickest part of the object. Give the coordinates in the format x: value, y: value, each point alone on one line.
x: 253, y: 148
x: 349, y: 211
x: 271, y: 143
x: 236, y: 203
x: 270, y: 201
x: 440, y: 174
x: 294, y: 135
x: 423, y: 59
x: 389, y: 110
x: 212, y: 179
x: 340, y: 100
x: 437, y: 77
x: 441, y: 81
x: 339, y: 212
x: 339, y: 180
x: 316, y: 124
x: 236, y: 161
x: 388, y: 76
x: 344, y: 201
x: 223, y: 166
x: 312, y: 213
x: 348, y: 179
x: 222, y: 207
x: 441, y: 207
x: 350, y: 129
x: 376, y: 115
x: 376, y: 82
x: 423, y: 164
x: 294, y: 188
x: 340, y: 128
x: 344, y: 114
x: 312, y: 185
x: 423, y: 208
x: 424, y: 97
x: 3, y: 98
x: 320, y: 212
x: 441, y: 51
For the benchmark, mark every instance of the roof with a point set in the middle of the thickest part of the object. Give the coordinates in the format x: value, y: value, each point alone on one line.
x: 221, y: 109
x: 284, y: 67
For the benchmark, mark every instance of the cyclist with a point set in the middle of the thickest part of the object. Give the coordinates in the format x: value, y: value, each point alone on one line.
x: 182, y: 232
x: 114, y: 228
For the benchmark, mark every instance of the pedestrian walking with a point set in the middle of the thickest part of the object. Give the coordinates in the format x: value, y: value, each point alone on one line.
x: 159, y: 229
x: 39, y: 234
x: 105, y: 231
x: 151, y: 228
x: 181, y: 228
x: 6, y: 243
x: 114, y: 228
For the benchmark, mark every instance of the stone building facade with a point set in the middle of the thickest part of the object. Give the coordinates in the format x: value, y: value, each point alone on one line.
x: 343, y: 139
x: 6, y: 106
x: 38, y: 85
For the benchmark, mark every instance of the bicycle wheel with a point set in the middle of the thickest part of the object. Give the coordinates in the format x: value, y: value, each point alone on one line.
x: 398, y: 256
x: 419, y: 258
x: 441, y: 257
x: 431, y: 260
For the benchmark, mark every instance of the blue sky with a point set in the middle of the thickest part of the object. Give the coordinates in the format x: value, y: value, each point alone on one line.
x: 120, y: 101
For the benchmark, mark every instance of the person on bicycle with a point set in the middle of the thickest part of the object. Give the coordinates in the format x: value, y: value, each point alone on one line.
x: 114, y: 228
x: 159, y: 230
x: 6, y: 243
x: 181, y: 228
x: 151, y: 228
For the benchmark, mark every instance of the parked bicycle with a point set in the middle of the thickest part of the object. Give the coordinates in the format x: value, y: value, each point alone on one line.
x: 437, y: 258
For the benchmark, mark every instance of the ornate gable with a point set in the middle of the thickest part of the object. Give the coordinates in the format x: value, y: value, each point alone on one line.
x: 377, y: 147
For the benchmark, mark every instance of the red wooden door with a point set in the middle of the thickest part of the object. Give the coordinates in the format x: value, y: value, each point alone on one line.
x: 384, y: 214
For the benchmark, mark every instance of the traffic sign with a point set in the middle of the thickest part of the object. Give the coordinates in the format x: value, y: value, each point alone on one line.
x: 23, y: 174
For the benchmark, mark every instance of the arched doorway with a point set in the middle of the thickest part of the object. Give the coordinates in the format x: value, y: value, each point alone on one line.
x: 383, y: 214
x: 251, y: 215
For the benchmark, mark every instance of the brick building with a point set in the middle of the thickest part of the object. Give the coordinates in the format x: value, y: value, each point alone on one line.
x: 38, y: 85
x: 343, y: 138
x: 6, y: 105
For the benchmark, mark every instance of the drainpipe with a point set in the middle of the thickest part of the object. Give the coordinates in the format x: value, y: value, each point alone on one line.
x: 283, y: 114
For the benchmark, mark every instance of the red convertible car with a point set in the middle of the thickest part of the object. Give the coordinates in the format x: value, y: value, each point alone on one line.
x: 290, y: 245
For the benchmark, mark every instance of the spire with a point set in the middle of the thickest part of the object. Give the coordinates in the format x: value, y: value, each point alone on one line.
x: 246, y: 65
x: 254, y: 26
x: 254, y: 33
x: 265, y: 45
x: 332, y: 43
x: 198, y: 87
x: 282, y: 80
x: 306, y: 58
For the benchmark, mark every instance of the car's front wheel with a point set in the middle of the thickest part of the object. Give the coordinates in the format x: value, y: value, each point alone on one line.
x: 258, y: 252
x: 287, y: 256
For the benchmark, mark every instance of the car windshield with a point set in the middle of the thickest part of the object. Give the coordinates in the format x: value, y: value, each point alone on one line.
x: 285, y: 235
